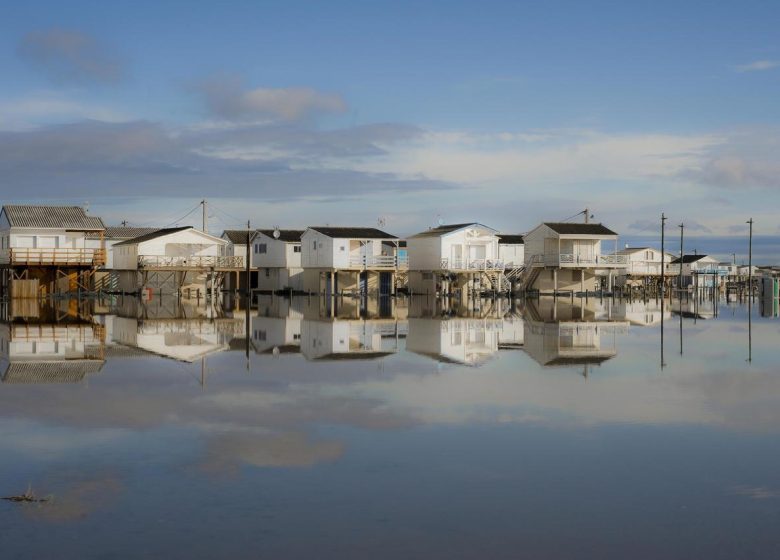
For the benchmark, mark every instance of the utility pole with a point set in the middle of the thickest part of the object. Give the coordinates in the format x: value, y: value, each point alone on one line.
x: 750, y: 260
x: 682, y: 257
x: 248, y: 302
x: 124, y: 223
x: 663, y: 256
x: 587, y: 215
x: 205, y: 228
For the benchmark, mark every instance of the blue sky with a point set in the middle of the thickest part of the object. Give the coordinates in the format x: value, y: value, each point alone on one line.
x: 296, y: 113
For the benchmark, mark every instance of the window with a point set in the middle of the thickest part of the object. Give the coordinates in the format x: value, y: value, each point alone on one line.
x: 296, y: 248
x: 297, y: 336
x: 342, y: 248
x: 267, y: 272
x: 427, y: 275
x: 315, y: 245
x: 262, y: 248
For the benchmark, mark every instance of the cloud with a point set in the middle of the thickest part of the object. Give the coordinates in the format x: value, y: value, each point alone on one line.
x: 758, y: 66
x: 141, y: 158
x: 227, y: 98
x: 747, y: 159
x: 49, y: 108
x: 67, y: 56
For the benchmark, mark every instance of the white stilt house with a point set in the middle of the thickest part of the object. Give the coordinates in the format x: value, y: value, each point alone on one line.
x: 563, y: 256
x: 349, y: 259
x: 643, y: 264
x: 455, y: 258
x: 276, y: 255
x: 172, y: 259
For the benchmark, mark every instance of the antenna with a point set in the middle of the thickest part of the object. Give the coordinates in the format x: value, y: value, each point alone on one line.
x: 439, y: 220
x: 277, y: 232
x: 381, y: 221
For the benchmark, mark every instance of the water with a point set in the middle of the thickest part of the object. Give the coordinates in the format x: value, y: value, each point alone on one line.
x: 390, y: 429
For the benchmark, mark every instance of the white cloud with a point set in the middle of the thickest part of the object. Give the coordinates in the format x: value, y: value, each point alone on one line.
x: 758, y: 66
x: 227, y: 98
x: 32, y: 110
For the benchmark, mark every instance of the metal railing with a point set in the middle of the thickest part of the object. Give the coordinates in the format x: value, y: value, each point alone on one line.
x: 379, y: 261
x: 162, y: 261
x: 53, y: 257
x: 475, y: 264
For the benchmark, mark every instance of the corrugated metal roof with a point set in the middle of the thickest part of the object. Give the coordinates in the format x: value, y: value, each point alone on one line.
x: 688, y: 259
x: 566, y: 228
x: 58, y: 217
x: 123, y: 232
x: 60, y: 371
x: 353, y: 232
x: 286, y: 235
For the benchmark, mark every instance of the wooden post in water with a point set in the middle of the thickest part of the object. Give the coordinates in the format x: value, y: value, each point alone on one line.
x: 750, y: 262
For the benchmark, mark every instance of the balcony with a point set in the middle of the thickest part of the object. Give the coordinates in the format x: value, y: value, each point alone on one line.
x: 191, y: 262
x: 53, y: 257
x: 569, y: 260
x: 475, y: 265
x: 385, y: 262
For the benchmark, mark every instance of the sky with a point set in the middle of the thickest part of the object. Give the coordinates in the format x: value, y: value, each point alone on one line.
x: 401, y: 113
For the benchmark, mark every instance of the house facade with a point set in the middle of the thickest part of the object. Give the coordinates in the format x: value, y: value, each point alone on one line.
x: 563, y: 256
x: 44, y: 249
x: 642, y: 265
x: 349, y: 260
x: 172, y: 259
x: 455, y: 258
x: 697, y: 270
x: 276, y: 254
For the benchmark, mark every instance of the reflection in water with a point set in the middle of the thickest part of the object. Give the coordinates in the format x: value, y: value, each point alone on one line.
x: 433, y: 409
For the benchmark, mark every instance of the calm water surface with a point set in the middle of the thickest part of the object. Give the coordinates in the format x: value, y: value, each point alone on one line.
x: 390, y: 429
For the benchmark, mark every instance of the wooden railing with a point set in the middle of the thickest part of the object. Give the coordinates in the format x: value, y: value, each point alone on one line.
x: 53, y: 257
x: 162, y: 261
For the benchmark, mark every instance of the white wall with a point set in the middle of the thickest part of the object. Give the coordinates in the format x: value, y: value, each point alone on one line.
x: 279, y: 254
x: 511, y: 255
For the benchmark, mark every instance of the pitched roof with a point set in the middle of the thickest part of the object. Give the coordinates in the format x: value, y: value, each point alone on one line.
x: 287, y: 235
x: 59, y: 217
x: 688, y: 259
x: 446, y: 228
x: 510, y: 239
x: 60, y: 371
x: 353, y: 232
x: 152, y: 235
x: 567, y: 228
x: 123, y: 232
x: 238, y: 236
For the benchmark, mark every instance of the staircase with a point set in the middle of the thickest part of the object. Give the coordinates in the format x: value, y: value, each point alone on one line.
x: 527, y: 278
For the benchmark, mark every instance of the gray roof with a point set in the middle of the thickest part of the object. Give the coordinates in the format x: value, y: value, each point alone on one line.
x: 238, y: 236
x: 446, y: 228
x: 287, y: 235
x: 56, y: 217
x: 510, y: 239
x: 152, y: 235
x: 353, y: 232
x: 60, y: 371
x: 566, y: 228
x: 688, y: 259
x: 123, y: 232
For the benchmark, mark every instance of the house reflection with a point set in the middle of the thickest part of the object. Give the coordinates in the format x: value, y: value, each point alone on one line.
x: 51, y: 351
x: 559, y: 334
x: 455, y: 340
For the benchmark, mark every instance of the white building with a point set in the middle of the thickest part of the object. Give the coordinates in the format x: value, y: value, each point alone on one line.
x: 50, y: 353
x: 44, y: 249
x: 464, y: 341
x: 572, y: 343
x: 569, y: 256
x: 349, y: 259
x: 175, y: 259
x: 455, y: 257
x: 344, y: 339
x: 184, y: 341
x: 511, y: 250
x: 697, y: 270
x: 642, y: 264
x: 178, y: 247
x: 113, y: 235
x: 277, y: 257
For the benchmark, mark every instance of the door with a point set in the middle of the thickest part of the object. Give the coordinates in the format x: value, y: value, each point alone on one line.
x: 457, y: 256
